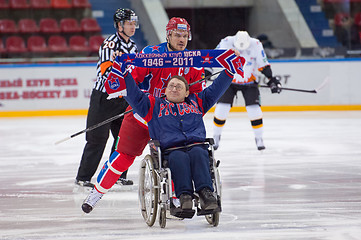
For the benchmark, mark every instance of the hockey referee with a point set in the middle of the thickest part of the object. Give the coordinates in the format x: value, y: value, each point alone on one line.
x: 100, y: 109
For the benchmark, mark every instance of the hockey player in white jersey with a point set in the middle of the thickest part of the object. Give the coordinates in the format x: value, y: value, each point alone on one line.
x: 256, y: 60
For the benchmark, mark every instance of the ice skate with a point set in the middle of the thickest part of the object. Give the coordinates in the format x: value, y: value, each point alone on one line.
x: 217, y: 139
x: 92, y: 199
x: 259, y: 143
x: 124, y: 182
x: 84, y: 183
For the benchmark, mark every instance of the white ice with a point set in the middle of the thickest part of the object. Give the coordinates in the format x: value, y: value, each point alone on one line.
x: 305, y: 185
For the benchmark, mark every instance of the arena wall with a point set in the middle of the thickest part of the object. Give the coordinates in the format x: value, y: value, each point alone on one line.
x: 64, y: 89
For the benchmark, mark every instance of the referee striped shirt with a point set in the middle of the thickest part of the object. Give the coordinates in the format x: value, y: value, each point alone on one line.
x: 110, y: 45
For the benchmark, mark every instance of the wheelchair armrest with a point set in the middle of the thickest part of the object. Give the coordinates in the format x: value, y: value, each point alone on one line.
x: 155, y: 142
x: 210, y: 141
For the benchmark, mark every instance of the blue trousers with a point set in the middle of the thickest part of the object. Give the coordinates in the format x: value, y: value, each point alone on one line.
x: 188, y: 166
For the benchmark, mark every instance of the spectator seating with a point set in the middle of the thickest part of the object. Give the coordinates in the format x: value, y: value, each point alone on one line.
x: 94, y: 44
x: 79, y: 45
x: 15, y: 46
x: 19, y: 4
x: 90, y: 26
x: 40, y: 4
x: 37, y: 45
x: 49, y: 26
x: 339, y: 18
x: 2, y: 49
x: 81, y: 4
x: 19, y: 9
x: 40, y: 8
x: 69, y: 25
x: 4, y: 4
x: 42, y: 31
x: 357, y: 20
x: 57, y: 45
x: 28, y: 26
x: 8, y: 27
x: 60, y: 4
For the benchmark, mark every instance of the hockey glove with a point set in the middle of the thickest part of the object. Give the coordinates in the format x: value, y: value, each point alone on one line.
x: 275, y: 85
x: 115, y: 84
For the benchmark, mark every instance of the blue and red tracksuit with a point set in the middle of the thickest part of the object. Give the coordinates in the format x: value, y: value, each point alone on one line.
x: 180, y: 124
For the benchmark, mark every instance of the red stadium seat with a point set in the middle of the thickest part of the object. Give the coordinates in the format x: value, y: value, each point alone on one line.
x: 78, y: 44
x: 8, y: 26
x: 28, y: 26
x: 40, y: 4
x: 37, y: 44
x: 357, y: 20
x: 60, y: 4
x: 90, y: 25
x: 19, y: 4
x: 69, y: 25
x: 339, y: 18
x: 49, y: 26
x: 2, y: 48
x: 4, y: 4
x: 81, y: 4
x: 15, y: 45
x: 57, y: 44
x: 95, y: 42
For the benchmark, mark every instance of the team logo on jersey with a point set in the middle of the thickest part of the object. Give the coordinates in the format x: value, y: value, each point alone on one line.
x: 155, y: 48
x: 113, y: 83
x: 207, y: 59
x: 186, y: 70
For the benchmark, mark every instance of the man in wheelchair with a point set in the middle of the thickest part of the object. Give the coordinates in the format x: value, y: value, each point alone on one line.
x: 176, y: 121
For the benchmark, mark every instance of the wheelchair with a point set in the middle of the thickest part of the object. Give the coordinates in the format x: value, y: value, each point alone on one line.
x: 156, y: 194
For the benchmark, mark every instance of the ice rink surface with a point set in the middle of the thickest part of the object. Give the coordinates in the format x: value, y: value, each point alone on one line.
x: 305, y: 185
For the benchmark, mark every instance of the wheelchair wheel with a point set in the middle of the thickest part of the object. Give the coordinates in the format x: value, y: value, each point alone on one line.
x: 162, y: 217
x: 213, y: 219
x: 148, y: 190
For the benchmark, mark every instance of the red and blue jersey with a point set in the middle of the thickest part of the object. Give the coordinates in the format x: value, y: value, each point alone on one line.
x: 155, y: 80
x: 176, y: 124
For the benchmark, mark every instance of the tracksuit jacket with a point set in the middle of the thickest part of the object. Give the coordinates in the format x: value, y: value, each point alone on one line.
x: 176, y: 124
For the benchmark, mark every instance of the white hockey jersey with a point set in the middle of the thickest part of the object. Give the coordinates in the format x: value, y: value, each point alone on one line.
x: 255, y: 56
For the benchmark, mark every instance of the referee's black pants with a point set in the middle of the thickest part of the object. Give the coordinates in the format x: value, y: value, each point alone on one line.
x: 100, y: 109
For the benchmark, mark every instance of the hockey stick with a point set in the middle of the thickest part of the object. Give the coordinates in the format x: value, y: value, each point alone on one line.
x: 292, y: 89
x: 119, y: 115
x: 303, y: 90
x: 95, y: 126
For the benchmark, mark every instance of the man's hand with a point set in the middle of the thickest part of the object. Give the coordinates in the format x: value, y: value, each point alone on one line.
x: 115, y: 54
x: 275, y: 85
x: 115, y: 83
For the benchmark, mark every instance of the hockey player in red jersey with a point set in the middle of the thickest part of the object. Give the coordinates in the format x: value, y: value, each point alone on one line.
x: 133, y: 135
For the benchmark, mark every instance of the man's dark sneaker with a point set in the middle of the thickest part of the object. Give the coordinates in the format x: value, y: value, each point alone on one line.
x: 185, y: 201
x: 124, y: 181
x: 207, y: 199
x: 84, y: 183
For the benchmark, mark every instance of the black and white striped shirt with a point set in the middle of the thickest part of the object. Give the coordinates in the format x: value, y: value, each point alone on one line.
x: 106, y: 50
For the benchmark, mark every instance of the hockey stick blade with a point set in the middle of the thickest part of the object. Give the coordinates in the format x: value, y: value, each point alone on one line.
x: 323, y: 84
x: 293, y: 89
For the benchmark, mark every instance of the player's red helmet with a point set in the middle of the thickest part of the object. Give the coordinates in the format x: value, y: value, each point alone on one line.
x: 177, y: 23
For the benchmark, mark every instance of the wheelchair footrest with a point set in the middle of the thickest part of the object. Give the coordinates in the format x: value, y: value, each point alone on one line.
x: 208, y: 212
x: 180, y: 213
